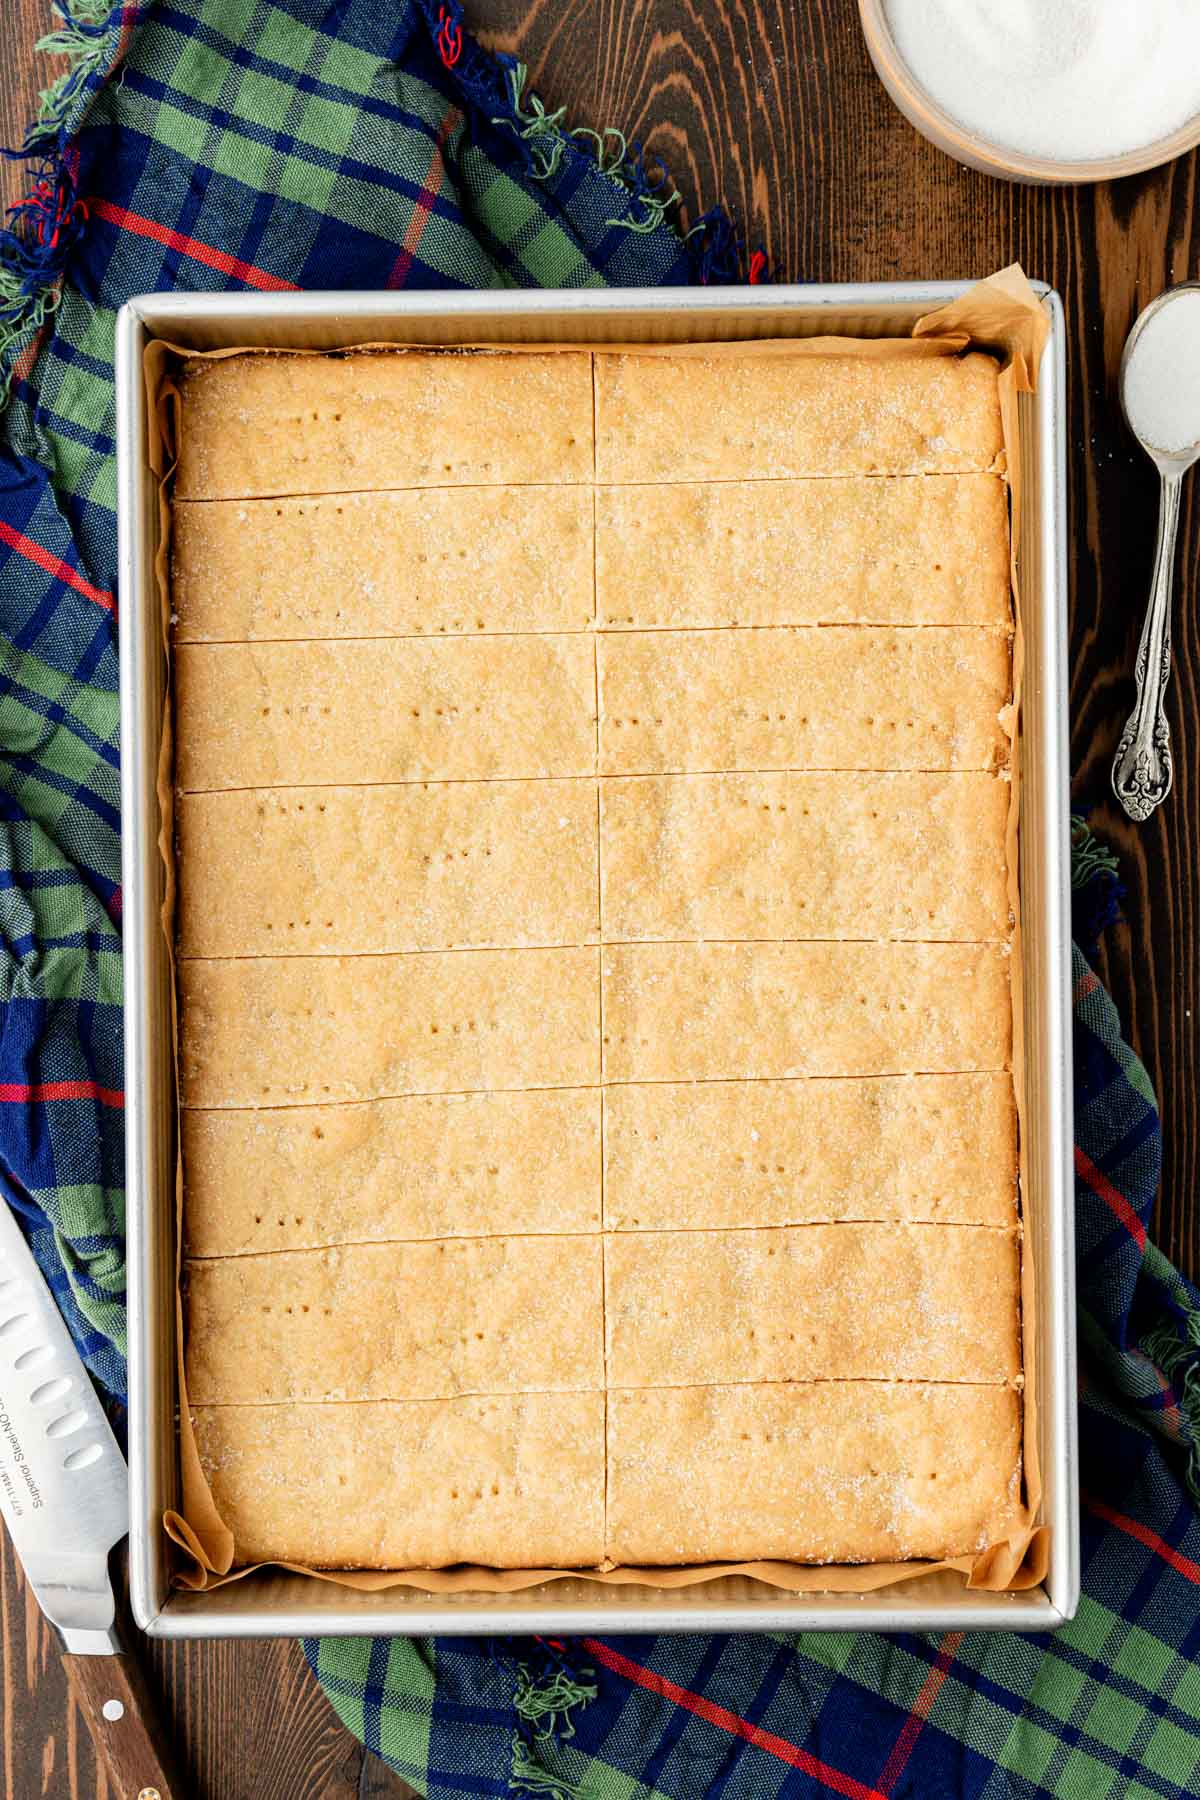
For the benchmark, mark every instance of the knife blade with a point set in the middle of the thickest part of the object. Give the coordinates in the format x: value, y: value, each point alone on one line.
x: 64, y: 1495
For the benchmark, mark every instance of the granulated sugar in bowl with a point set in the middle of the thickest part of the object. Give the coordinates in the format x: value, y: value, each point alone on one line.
x: 1046, y: 89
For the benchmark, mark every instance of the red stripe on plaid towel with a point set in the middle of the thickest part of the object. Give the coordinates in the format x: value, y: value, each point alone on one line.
x: 1183, y: 1565
x: 720, y: 1716
x: 23, y: 362
x: 1087, y: 1172
x: 1087, y: 984
x: 54, y: 565
x: 22, y: 1092
x: 902, y: 1749
x: 422, y: 205
x: 190, y: 246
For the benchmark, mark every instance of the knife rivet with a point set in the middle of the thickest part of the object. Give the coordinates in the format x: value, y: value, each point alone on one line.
x: 113, y: 1710
x: 149, y: 1794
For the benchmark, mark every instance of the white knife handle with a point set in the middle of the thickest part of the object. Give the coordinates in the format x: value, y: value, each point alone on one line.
x: 112, y: 1695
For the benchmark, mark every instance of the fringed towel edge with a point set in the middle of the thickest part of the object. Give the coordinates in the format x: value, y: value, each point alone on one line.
x: 497, y: 84
x: 42, y: 227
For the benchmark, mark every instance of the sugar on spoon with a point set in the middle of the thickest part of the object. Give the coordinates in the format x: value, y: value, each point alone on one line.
x: 1160, y: 394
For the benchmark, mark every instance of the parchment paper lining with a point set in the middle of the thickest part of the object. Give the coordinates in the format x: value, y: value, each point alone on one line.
x: 1000, y: 315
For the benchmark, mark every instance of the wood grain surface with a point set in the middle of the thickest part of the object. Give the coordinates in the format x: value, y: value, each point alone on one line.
x: 772, y: 107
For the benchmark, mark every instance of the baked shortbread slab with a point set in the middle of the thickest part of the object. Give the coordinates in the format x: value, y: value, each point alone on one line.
x: 931, y: 550
x: 782, y: 855
x: 594, y: 913
x: 802, y: 697
x: 704, y: 1155
x: 383, y: 564
x: 771, y: 417
x: 768, y: 1011
x: 393, y: 709
x: 816, y: 1302
x: 824, y: 1472
x: 253, y: 426
x: 391, y: 1171
x: 511, y: 1481
x: 414, y: 866
x: 495, y: 1315
x: 278, y: 1031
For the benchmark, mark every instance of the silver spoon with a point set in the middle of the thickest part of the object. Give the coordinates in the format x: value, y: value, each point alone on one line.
x: 1142, y: 769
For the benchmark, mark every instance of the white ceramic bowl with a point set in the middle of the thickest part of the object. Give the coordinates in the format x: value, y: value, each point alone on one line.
x: 934, y: 122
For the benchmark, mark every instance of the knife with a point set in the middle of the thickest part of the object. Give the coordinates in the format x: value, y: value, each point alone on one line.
x: 64, y: 1494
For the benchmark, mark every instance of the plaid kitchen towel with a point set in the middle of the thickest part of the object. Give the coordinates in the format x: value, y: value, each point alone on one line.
x: 216, y: 143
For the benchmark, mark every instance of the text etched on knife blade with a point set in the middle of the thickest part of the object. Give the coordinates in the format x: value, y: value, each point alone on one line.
x: 16, y: 1463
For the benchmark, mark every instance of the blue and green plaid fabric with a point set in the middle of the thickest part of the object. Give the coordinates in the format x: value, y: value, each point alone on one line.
x: 205, y: 144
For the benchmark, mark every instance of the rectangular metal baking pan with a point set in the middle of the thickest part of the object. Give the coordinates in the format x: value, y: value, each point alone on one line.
x: 276, y: 1603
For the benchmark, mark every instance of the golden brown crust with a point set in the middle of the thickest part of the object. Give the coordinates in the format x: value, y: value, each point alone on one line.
x: 721, y: 1012
x: 827, y: 1472
x: 383, y: 565
x: 824, y: 697
x: 285, y: 1031
x: 805, y: 855
x: 431, y: 1166
x: 351, y: 870
x: 254, y: 426
x: 729, y: 418
x: 397, y: 1321
x: 689, y: 1156
x: 822, y: 1302
x: 927, y: 551
x: 396, y: 709
x: 515, y: 1481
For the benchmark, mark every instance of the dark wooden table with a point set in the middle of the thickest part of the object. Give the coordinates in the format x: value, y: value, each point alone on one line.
x: 772, y: 107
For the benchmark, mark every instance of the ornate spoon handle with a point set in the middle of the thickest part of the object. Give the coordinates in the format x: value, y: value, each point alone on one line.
x: 1142, y: 769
